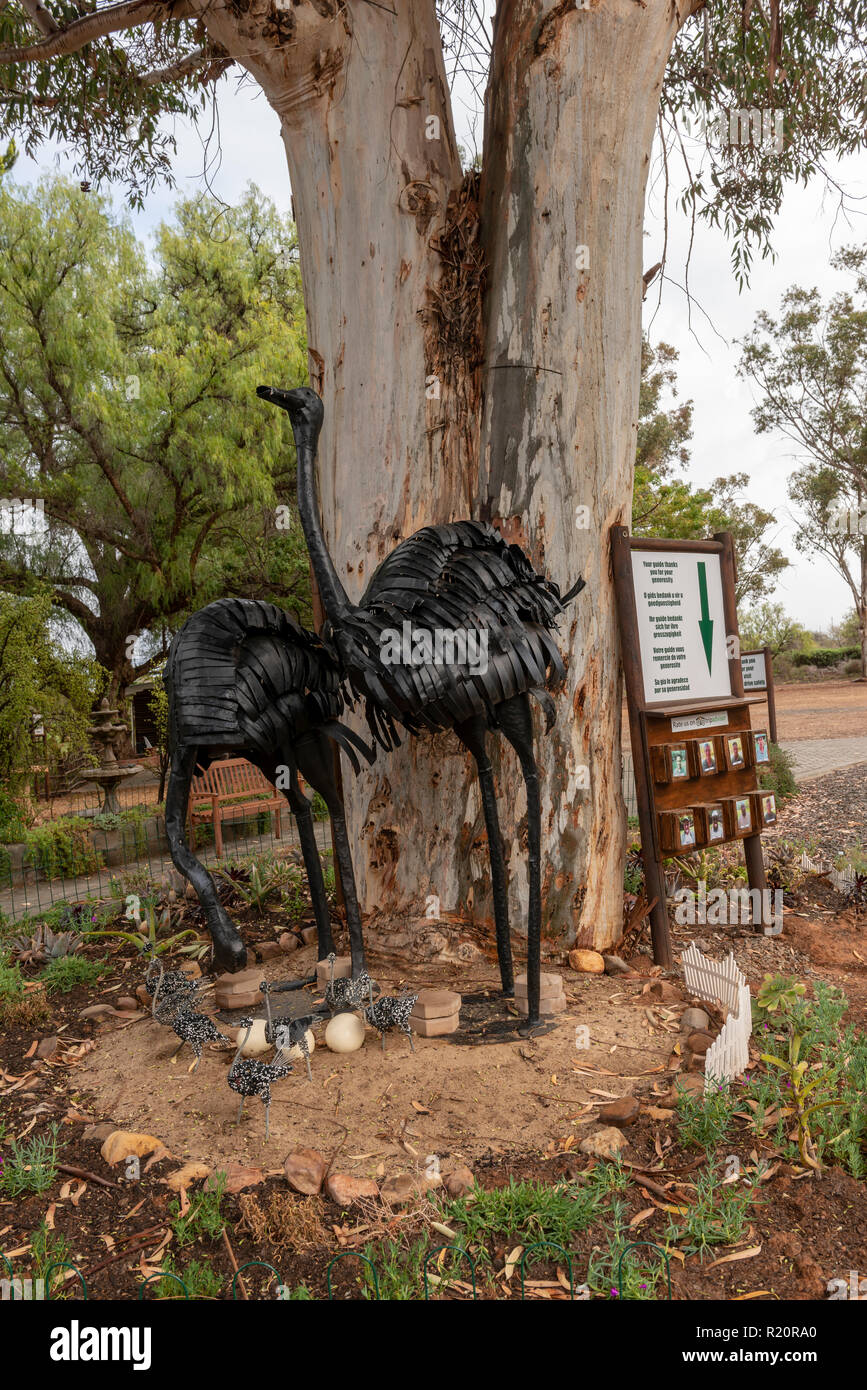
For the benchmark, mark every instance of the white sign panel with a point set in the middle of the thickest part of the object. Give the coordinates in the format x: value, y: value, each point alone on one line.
x: 753, y: 667
x: 681, y: 625
x: 685, y: 723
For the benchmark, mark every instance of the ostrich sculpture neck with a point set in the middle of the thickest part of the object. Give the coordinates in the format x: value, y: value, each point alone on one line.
x: 331, y: 590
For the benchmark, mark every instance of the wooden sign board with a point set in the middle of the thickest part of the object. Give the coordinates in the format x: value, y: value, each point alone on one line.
x: 757, y: 669
x: 695, y: 753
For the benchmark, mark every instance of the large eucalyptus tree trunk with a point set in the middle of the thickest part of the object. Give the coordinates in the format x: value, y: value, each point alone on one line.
x: 509, y: 394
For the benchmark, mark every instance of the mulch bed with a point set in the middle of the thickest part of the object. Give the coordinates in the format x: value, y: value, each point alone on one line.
x: 828, y: 814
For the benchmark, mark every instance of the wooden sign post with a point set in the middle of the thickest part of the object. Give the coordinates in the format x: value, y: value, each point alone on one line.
x: 757, y: 669
x: 694, y: 751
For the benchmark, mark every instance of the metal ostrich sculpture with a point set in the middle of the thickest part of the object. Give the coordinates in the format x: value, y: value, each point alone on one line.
x: 462, y: 577
x: 243, y: 677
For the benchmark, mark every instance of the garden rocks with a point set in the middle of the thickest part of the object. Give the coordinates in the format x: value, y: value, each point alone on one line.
x: 239, y: 991
x: 589, y: 962
x: 288, y: 942
x: 435, y: 1013
x: 459, y: 1181
x: 344, y: 1189
x: 305, y: 1171
x: 665, y: 992
x: 399, y: 1190
x: 552, y: 995
x: 128, y: 1004
x: 342, y: 970
x: 47, y: 1047
x: 97, y: 1134
x: 267, y: 950
x: 694, y: 1018
x: 698, y: 1043
x: 605, y: 1143
x: 615, y: 966
x: 620, y: 1112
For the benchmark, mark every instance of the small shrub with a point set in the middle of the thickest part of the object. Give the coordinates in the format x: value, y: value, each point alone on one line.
x: 19, y: 1007
x: 203, y: 1218
x: 825, y: 656
x: 704, y: 1120
x: 779, y: 776
x: 30, y: 1166
x: 13, y: 819
x: 63, y: 849
x: 61, y: 976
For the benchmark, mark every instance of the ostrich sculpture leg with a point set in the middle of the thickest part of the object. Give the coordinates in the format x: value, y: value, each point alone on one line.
x: 229, y: 949
x: 316, y: 763
x: 472, y: 735
x: 516, y: 723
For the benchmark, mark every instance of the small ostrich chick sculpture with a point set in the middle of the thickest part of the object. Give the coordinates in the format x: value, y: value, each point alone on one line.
x: 251, y: 1078
x: 185, y: 1021
x: 344, y: 995
x: 390, y: 1012
x: 289, y: 1033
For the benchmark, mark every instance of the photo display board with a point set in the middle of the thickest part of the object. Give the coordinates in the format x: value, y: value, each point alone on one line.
x: 696, y: 756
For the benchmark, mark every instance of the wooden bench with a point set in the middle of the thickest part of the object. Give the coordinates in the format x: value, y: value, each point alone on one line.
x: 229, y: 789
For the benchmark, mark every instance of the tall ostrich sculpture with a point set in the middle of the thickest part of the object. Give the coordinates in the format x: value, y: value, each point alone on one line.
x: 243, y: 677
x: 461, y: 578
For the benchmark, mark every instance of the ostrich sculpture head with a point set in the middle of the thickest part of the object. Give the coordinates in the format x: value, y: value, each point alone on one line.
x: 302, y: 405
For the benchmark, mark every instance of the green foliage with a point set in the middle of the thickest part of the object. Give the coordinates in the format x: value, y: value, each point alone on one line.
x: 777, y: 994
x: 44, y: 944
x: 30, y: 1166
x: 766, y: 624
x: 665, y: 505
x: 63, y: 975
x: 159, y: 471
x: 199, y: 1279
x: 148, y: 936
x: 525, y: 1212
x: 807, y: 67
x: 18, y: 1008
x: 63, y: 848
x: 13, y: 819
x: 718, y: 1215
x: 704, y: 1120
x: 37, y: 677
x: 826, y: 656
x: 264, y: 876
x: 633, y: 871
x: 816, y: 1074
x: 48, y: 1248
x: 778, y: 775
x: 810, y: 367
x: 203, y: 1219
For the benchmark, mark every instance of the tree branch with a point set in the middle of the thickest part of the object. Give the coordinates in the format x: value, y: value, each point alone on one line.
x: 186, y: 66
x: 111, y: 20
x: 41, y: 17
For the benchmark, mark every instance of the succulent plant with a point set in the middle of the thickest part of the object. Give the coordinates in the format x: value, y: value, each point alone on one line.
x: 45, y: 945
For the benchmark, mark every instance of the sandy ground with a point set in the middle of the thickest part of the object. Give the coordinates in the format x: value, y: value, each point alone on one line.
x: 815, y: 709
x: 450, y: 1100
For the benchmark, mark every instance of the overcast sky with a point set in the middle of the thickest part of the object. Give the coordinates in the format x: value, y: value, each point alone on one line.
x: 724, y: 439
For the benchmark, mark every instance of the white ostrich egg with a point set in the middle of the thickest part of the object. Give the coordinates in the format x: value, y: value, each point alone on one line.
x: 345, y: 1033
x: 295, y: 1052
x: 256, y: 1042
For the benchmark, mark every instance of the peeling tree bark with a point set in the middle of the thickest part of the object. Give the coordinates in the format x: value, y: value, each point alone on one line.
x: 518, y: 413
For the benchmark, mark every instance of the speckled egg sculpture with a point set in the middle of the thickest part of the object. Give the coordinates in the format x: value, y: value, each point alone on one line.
x: 345, y: 1033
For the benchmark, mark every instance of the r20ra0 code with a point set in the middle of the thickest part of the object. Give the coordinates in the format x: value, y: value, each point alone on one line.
x: 790, y: 1332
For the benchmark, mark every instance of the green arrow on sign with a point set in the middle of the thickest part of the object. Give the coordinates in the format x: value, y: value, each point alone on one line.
x: 705, y: 621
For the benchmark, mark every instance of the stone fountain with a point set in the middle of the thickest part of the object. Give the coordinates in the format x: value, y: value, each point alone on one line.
x: 109, y: 774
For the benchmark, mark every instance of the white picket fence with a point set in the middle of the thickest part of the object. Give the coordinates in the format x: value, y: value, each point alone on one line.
x: 723, y: 983
x: 843, y: 882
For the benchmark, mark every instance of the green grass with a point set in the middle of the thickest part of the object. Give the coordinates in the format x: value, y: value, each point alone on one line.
x: 199, y: 1280
x: 61, y: 976
x: 705, y: 1119
x: 526, y: 1212
x: 30, y: 1166
x: 719, y: 1214
x: 204, y: 1219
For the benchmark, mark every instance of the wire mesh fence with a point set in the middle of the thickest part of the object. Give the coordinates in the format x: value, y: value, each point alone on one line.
x: 76, y: 853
